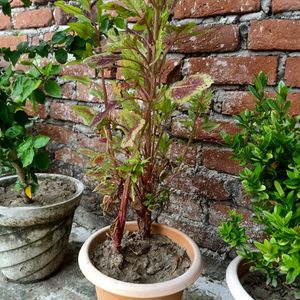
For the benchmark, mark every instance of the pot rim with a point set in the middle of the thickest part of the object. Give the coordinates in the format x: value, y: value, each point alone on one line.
x: 233, y: 279
x: 136, y: 290
x: 78, y: 185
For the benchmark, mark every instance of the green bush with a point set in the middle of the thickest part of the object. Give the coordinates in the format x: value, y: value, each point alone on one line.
x: 22, y: 152
x: 268, y: 145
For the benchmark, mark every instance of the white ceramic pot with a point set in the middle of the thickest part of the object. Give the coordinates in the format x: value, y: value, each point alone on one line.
x: 234, y: 272
x: 111, y: 289
x: 33, y: 239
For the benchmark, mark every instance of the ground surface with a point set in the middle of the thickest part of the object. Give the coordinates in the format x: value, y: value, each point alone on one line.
x: 69, y: 284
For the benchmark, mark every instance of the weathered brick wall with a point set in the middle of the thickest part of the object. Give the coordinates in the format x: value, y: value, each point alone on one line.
x: 246, y: 37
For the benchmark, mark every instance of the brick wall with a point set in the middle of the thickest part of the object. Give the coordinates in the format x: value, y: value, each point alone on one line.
x: 246, y: 37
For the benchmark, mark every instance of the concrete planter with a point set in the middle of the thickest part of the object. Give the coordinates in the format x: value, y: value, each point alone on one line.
x: 111, y: 289
x: 236, y: 269
x: 33, y: 239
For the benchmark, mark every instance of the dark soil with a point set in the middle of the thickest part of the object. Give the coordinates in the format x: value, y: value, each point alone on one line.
x: 49, y: 192
x: 152, y: 260
x: 255, y: 285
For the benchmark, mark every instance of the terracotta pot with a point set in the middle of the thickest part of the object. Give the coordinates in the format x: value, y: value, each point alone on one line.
x: 111, y: 289
x: 236, y: 270
x: 33, y: 239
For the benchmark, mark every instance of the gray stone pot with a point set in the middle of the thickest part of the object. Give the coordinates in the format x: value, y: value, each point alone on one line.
x: 33, y: 239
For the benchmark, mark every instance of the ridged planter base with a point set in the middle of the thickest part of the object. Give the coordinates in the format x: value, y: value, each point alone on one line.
x: 33, y: 239
x: 111, y: 289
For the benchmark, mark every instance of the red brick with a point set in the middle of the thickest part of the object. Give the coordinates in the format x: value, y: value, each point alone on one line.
x: 19, y: 3
x: 172, y: 70
x: 233, y: 103
x: 208, y: 187
x: 286, y: 5
x: 34, y: 18
x: 60, y: 17
x: 48, y: 36
x: 193, y: 209
x: 35, y: 40
x: 218, y: 38
x: 4, y: 22
x: 204, y: 8
x: 274, y: 35
x: 235, y: 70
x: 16, y: 3
x: 67, y: 90
x: 71, y: 157
x: 77, y: 70
x: 11, y: 41
x: 58, y: 134
x: 95, y: 143
x: 292, y: 70
x: 176, y: 151
x: 64, y: 111
x: 179, y: 130
x: 243, y: 199
x: 67, y: 136
x: 219, y: 212
x: 40, y: 110
x: 220, y: 159
x: 83, y: 92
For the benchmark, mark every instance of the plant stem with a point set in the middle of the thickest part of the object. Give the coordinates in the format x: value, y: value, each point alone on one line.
x: 21, y: 176
x: 121, y: 219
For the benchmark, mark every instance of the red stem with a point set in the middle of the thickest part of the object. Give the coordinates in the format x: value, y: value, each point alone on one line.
x: 121, y: 219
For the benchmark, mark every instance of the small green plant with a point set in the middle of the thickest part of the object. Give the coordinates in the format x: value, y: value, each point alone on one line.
x: 135, y: 123
x: 22, y: 152
x: 268, y: 145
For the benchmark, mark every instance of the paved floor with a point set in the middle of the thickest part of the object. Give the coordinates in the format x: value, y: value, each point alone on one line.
x: 69, y: 284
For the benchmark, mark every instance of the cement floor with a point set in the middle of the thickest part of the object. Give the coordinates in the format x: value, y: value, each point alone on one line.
x: 68, y: 283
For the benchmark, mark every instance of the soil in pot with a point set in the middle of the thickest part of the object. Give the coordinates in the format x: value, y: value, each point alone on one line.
x: 50, y: 191
x: 151, y: 260
x: 255, y: 285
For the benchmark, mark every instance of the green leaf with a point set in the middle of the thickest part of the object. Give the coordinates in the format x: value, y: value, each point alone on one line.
x: 279, y: 188
x: 22, y: 47
x: 26, y: 3
x: 59, y: 37
x: 209, y: 125
x: 38, y: 96
x: 6, y: 9
x: 191, y: 86
x: 40, y: 141
x: 86, y: 113
x: 52, y: 89
x: 70, y: 9
x: 25, y: 145
x: 84, y: 79
x: 27, y: 157
x: 23, y: 87
x: 84, y: 30
x: 14, y: 131
x: 61, y: 55
x: 21, y: 117
x: 41, y: 161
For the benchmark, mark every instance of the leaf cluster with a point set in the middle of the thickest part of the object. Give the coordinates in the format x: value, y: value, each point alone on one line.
x: 21, y: 152
x: 268, y: 145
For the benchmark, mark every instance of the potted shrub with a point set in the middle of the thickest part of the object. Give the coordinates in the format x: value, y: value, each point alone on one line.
x: 268, y: 145
x: 134, y: 122
x: 36, y: 210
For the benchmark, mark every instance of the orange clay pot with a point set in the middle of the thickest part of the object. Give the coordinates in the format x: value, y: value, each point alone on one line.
x: 111, y: 289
